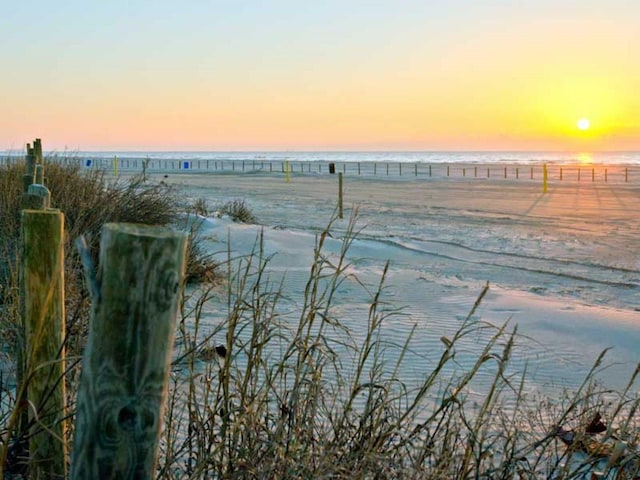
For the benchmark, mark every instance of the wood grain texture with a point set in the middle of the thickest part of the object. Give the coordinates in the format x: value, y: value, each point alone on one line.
x: 128, y: 354
x: 43, y: 276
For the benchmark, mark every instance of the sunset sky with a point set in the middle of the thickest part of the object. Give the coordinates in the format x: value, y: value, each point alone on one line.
x: 321, y: 75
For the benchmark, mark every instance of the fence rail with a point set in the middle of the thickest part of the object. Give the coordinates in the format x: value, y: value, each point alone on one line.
x: 556, y: 172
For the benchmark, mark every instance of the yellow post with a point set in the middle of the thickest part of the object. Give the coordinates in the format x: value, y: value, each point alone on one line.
x: 544, y: 178
x: 287, y: 175
x: 340, y: 194
x: 115, y: 165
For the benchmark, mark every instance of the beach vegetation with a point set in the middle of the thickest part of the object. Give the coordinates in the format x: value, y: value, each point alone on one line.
x: 258, y: 396
x: 89, y: 199
x: 238, y: 210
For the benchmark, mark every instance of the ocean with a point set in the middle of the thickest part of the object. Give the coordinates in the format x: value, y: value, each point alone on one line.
x: 426, y: 157
x: 484, y: 157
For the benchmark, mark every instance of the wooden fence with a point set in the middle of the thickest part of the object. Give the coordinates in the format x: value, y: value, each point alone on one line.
x: 135, y: 299
x: 556, y: 172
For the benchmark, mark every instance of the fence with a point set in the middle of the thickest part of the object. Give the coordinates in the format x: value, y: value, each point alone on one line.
x: 125, y: 368
x: 556, y: 172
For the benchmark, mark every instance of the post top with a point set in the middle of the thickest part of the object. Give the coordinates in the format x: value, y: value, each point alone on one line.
x: 142, y: 230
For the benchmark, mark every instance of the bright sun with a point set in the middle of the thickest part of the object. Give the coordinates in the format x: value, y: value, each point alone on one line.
x: 583, y: 124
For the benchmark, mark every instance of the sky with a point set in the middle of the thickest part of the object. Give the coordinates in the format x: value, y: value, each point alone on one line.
x: 320, y: 75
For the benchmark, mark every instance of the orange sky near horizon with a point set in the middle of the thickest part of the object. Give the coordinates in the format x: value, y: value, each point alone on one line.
x: 332, y: 77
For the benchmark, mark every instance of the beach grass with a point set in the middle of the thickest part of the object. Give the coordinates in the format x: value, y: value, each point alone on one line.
x: 258, y: 396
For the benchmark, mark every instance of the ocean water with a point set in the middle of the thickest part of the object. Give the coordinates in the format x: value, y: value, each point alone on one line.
x: 468, y: 157
x: 626, y: 158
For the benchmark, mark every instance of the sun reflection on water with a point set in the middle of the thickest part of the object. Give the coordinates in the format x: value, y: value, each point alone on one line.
x: 585, y: 158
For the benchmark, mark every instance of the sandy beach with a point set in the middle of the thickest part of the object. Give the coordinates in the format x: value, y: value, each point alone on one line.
x: 562, y: 266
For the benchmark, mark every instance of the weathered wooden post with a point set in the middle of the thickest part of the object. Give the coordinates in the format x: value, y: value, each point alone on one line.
x: 544, y: 178
x: 30, y: 163
x: 44, y: 321
x: 135, y: 299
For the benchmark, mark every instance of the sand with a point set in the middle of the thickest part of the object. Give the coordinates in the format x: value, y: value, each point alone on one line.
x: 563, y: 266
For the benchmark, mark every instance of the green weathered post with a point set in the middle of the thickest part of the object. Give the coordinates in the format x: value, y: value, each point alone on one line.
x: 44, y: 321
x: 40, y: 356
x: 37, y: 147
x: 127, y: 360
x: 36, y: 195
x: 30, y: 163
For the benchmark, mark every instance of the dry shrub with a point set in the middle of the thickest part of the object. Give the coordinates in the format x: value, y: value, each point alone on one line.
x: 237, y: 210
x: 88, y: 200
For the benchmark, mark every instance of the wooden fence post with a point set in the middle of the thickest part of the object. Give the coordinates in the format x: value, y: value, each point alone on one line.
x: 43, y: 277
x: 30, y: 163
x: 127, y: 360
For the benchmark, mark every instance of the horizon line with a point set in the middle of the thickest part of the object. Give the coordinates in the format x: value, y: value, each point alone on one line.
x: 142, y: 150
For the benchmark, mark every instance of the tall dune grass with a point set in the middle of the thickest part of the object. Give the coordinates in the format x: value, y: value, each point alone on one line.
x: 307, y: 400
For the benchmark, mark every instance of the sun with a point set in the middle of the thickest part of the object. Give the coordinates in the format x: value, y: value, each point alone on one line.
x: 583, y: 124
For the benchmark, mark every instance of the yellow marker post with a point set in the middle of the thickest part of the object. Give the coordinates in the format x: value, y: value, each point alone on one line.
x: 115, y: 165
x: 544, y: 178
x: 287, y: 175
x: 340, y: 194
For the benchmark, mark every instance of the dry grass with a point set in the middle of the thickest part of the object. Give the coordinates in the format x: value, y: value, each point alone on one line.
x: 88, y: 200
x: 286, y: 402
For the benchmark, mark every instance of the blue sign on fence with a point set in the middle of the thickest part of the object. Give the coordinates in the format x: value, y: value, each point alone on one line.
x: 87, y: 163
x: 186, y: 165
